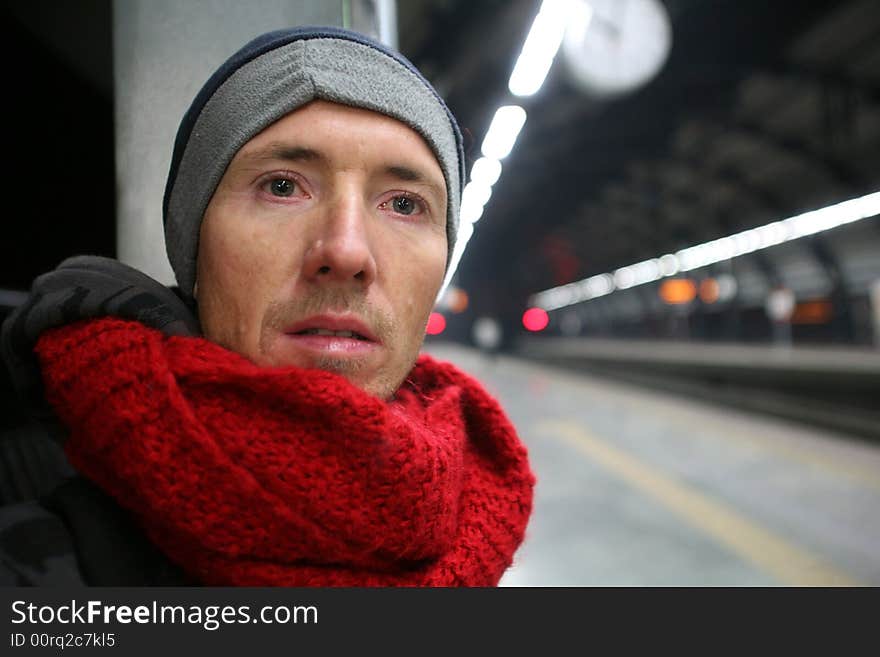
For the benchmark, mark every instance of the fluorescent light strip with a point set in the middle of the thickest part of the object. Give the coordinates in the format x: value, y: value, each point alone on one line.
x: 465, y: 231
x: 531, y: 68
x: 540, y: 47
x: 486, y: 170
x: 503, y: 131
x: 500, y: 138
x: 473, y: 200
x: 702, y: 255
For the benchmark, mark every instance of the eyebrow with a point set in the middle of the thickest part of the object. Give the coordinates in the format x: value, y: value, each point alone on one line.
x: 405, y: 173
x: 413, y: 175
x: 288, y: 152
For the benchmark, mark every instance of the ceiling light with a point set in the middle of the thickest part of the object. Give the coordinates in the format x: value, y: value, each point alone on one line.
x: 540, y: 47
x: 473, y: 200
x: 465, y: 231
x: 486, y: 171
x: 701, y: 255
x: 503, y: 131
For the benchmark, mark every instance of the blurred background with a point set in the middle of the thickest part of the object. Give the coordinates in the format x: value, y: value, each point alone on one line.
x: 669, y: 263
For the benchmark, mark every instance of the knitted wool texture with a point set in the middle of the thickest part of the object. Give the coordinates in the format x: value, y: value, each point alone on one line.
x: 257, y: 477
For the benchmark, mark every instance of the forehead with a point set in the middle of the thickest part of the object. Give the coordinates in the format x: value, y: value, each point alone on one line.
x: 326, y: 126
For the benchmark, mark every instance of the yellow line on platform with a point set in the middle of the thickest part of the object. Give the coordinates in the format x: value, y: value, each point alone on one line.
x: 828, y: 463
x: 684, y: 411
x: 786, y: 563
x: 815, y: 460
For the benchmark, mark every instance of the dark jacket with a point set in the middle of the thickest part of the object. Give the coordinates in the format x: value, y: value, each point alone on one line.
x: 72, y: 534
x: 56, y: 528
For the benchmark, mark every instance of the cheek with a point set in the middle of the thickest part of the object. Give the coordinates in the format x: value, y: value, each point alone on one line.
x: 423, y: 284
x: 224, y: 260
x: 227, y: 254
x: 235, y: 281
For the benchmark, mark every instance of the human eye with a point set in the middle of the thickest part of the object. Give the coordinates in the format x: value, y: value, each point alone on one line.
x: 282, y: 186
x: 405, y: 204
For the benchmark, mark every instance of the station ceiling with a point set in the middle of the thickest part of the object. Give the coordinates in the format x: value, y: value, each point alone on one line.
x: 763, y: 110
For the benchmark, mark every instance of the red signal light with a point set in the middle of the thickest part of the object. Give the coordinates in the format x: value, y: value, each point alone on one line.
x: 436, y: 324
x: 535, y: 319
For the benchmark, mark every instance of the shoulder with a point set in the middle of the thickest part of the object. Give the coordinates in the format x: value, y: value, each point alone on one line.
x: 36, y: 548
x: 78, y: 536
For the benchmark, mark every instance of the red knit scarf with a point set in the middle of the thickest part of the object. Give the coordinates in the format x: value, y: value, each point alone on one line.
x: 251, y: 476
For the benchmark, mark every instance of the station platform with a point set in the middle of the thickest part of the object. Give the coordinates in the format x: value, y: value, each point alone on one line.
x: 834, y: 387
x: 641, y: 487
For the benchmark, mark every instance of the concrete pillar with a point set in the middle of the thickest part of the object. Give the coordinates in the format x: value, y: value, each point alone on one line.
x: 163, y: 51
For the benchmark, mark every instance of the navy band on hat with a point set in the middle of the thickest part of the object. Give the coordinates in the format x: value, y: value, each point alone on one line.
x: 268, y: 78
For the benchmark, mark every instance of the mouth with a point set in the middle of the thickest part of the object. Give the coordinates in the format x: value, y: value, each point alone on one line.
x: 328, y: 332
x: 329, y: 325
x: 336, y: 335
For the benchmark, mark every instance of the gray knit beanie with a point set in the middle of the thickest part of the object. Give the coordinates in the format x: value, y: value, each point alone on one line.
x: 268, y: 78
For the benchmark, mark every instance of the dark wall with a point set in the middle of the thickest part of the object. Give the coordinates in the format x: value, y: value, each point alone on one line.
x: 59, y: 180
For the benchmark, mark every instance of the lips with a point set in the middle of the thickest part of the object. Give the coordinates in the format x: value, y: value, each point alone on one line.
x: 334, y: 326
x: 328, y: 332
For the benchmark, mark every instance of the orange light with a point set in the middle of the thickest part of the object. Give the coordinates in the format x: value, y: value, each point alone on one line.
x: 458, y: 301
x: 818, y: 311
x: 710, y: 291
x: 677, y: 291
x: 535, y: 319
x: 436, y: 324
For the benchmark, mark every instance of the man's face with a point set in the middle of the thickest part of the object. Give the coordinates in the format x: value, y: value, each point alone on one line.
x: 324, y: 246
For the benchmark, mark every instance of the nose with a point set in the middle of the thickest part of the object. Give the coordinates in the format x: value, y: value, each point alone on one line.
x: 341, y: 250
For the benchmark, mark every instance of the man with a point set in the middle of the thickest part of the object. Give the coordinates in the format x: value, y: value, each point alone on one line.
x: 273, y: 422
